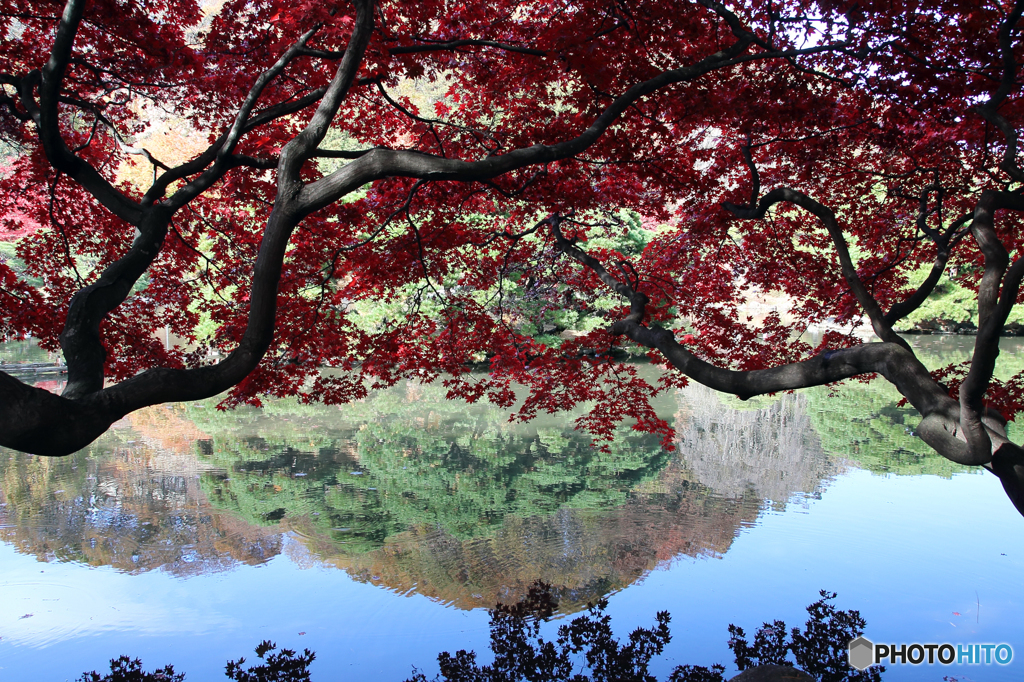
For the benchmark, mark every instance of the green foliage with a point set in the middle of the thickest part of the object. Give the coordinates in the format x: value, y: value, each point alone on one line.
x: 862, y: 422
x: 417, y: 459
x: 9, y: 255
x: 532, y: 301
x: 948, y: 301
x: 544, y: 311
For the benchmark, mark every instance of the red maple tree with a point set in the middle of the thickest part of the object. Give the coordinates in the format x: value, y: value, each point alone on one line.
x: 380, y: 190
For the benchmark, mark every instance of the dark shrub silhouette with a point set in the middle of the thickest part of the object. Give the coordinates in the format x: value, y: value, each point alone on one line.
x: 584, y: 650
x: 278, y: 667
x: 124, y: 669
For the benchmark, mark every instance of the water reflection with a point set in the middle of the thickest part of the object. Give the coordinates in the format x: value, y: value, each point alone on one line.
x: 771, y: 453
x: 132, y: 501
x: 410, y: 492
x: 584, y: 553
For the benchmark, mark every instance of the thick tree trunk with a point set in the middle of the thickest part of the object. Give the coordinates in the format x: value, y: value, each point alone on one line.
x: 41, y: 423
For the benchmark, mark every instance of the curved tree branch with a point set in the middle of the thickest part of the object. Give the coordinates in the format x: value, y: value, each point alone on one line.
x: 47, y: 119
x: 199, y: 163
x: 382, y: 163
x: 940, y: 425
x: 945, y: 241
x: 224, y: 150
x: 828, y: 218
x: 903, y: 308
x: 1007, y: 84
x: 42, y: 423
x: 437, y: 46
x: 163, y: 385
x: 993, y: 310
x: 80, y: 340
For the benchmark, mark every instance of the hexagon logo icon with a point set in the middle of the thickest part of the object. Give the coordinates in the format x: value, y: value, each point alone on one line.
x: 861, y: 653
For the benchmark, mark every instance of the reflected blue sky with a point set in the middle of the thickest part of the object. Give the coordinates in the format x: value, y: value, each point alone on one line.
x: 907, y: 552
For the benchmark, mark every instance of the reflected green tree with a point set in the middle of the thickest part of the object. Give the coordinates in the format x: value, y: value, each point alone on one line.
x: 410, y: 458
x: 412, y: 492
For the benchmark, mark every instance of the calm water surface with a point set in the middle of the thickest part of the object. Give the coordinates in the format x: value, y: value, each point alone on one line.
x: 378, y: 533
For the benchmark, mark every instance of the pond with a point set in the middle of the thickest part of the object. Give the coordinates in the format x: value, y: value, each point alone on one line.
x: 378, y: 533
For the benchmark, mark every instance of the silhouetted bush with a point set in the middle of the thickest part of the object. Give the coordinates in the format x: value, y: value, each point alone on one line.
x: 584, y: 650
x: 520, y: 653
x: 124, y: 669
x: 280, y: 667
x: 820, y: 649
x: 284, y: 666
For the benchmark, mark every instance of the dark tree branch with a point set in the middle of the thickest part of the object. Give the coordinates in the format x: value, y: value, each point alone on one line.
x: 637, y: 301
x: 431, y: 46
x: 940, y: 426
x: 828, y: 218
x: 341, y: 153
x: 380, y: 163
x: 755, y: 177
x: 903, y: 308
x: 1007, y: 84
x: 431, y: 122
x: 30, y: 416
x: 225, y: 149
x: 304, y: 145
x: 47, y: 120
x: 80, y: 339
x: 734, y: 24
x: 166, y: 385
x: 993, y: 309
x: 199, y: 163
x: 996, y: 257
x: 924, y: 213
x: 237, y: 160
x: 945, y: 241
x: 9, y: 103
x: 320, y: 54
